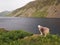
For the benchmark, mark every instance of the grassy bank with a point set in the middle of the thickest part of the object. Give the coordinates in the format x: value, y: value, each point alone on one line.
x: 24, y: 38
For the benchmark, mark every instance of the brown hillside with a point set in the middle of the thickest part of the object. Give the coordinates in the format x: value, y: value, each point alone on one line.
x: 39, y: 8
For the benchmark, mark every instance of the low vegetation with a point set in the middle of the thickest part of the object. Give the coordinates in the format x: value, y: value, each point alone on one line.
x: 41, y: 14
x: 18, y: 37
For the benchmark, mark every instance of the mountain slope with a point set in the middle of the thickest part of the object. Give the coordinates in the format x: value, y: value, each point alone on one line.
x: 39, y: 8
x: 4, y: 13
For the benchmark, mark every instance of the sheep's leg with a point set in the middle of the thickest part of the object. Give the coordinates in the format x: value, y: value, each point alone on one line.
x: 41, y: 33
x: 45, y: 35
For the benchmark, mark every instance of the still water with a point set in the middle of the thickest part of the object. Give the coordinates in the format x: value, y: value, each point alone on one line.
x: 30, y: 24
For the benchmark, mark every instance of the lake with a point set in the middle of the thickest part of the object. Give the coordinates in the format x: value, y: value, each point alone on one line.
x: 30, y: 24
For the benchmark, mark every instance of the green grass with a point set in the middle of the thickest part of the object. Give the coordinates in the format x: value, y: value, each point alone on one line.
x: 41, y: 14
x: 24, y: 38
x: 39, y: 40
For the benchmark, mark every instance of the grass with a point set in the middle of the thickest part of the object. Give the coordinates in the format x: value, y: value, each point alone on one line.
x: 40, y: 40
x: 24, y: 38
x: 41, y: 14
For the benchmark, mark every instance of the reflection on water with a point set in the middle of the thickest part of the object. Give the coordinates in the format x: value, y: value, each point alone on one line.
x: 30, y: 24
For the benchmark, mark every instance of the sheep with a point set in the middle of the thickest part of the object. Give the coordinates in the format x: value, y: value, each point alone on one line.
x: 43, y: 30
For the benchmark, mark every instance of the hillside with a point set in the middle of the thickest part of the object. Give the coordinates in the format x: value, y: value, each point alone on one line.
x: 39, y: 8
x: 4, y: 13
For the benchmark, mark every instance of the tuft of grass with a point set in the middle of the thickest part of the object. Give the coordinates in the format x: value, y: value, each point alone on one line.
x: 12, y: 35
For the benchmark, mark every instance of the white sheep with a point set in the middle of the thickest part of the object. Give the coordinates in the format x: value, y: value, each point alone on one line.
x: 43, y: 30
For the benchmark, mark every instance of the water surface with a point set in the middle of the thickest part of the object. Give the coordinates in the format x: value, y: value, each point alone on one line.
x: 30, y: 24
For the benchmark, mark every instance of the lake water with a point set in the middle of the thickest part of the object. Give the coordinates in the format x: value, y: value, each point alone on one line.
x: 30, y: 24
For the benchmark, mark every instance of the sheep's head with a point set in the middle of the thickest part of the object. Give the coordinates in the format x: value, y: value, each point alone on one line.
x: 39, y: 26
